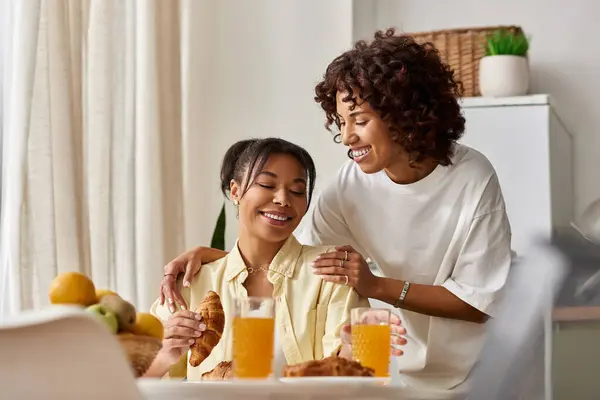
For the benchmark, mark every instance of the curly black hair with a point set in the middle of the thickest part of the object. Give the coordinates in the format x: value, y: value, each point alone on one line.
x: 407, y: 84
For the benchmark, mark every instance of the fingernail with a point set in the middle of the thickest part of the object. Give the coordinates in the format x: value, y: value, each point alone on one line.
x: 182, y: 307
x: 170, y: 300
x: 199, y: 317
x: 202, y: 326
x: 198, y: 333
x: 186, y: 284
x: 191, y: 341
x: 172, y: 309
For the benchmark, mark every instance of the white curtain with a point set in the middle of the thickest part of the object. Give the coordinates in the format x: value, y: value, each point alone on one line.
x: 101, y: 127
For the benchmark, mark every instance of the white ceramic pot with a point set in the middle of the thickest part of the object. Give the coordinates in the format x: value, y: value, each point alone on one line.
x: 503, y: 76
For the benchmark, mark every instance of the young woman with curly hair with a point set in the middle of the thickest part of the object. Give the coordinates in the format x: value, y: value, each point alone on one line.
x: 427, y: 210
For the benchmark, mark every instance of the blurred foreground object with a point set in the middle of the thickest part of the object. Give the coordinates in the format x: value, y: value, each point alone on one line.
x: 62, y: 353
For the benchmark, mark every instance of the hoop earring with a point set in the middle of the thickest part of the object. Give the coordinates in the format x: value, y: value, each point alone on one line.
x: 337, y: 138
x: 350, y: 154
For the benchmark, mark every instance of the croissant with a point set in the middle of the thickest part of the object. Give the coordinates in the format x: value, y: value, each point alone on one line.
x: 330, y: 366
x: 214, y: 318
x: 222, y: 372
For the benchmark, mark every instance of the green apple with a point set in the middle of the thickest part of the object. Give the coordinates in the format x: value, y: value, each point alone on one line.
x: 108, y: 318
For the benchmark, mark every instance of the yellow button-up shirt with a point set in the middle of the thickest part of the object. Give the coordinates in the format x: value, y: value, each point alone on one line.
x: 309, y: 312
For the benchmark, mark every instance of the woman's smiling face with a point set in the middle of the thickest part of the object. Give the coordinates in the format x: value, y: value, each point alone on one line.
x: 276, y: 200
x: 368, y: 136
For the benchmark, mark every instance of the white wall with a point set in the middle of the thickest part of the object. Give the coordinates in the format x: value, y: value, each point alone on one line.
x: 260, y: 61
x: 564, y: 57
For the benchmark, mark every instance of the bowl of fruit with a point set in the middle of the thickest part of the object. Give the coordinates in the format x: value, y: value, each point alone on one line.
x: 140, y: 334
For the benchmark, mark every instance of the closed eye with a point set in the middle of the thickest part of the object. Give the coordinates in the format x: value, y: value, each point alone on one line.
x: 294, y: 192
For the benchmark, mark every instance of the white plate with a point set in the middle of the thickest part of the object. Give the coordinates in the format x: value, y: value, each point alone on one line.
x: 336, y: 380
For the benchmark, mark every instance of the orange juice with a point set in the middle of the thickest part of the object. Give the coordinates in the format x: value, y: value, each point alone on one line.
x: 253, y: 347
x: 371, y: 347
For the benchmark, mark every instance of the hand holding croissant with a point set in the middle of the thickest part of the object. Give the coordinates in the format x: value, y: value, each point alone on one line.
x: 181, y: 330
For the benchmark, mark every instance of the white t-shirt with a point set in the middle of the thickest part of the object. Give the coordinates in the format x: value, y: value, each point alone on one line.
x: 448, y: 229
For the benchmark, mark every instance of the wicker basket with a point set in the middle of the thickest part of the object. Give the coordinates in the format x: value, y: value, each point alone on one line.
x: 462, y: 49
x: 140, y: 350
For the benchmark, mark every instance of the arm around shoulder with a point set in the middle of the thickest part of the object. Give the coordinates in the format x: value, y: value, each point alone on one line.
x: 208, y: 254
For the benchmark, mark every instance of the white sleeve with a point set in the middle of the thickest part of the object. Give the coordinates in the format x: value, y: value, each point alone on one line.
x: 484, y: 262
x: 324, y: 223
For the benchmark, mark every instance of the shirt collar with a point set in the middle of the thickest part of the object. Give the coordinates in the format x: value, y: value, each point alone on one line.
x: 283, y: 263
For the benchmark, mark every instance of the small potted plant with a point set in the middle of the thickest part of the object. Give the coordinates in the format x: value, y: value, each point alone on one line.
x: 504, y: 69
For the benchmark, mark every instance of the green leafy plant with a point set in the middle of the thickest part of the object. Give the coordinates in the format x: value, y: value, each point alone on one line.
x: 503, y: 42
x: 218, y: 238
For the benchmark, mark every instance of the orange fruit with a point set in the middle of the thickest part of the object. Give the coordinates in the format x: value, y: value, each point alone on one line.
x: 147, y: 324
x: 100, y: 293
x: 72, y: 288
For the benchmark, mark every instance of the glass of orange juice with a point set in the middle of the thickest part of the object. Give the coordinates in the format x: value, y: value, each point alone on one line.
x: 371, y: 339
x: 253, y: 337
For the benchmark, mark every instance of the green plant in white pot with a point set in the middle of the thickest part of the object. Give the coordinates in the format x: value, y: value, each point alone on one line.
x: 504, y: 70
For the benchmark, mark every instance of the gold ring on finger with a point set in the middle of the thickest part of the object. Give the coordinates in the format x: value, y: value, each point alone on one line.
x: 345, y: 256
x: 341, y: 263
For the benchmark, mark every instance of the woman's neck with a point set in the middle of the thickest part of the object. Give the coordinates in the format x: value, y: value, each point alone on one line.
x: 402, y: 172
x: 255, y: 251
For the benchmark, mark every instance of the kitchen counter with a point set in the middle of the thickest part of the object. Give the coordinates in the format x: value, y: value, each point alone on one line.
x: 576, y: 314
